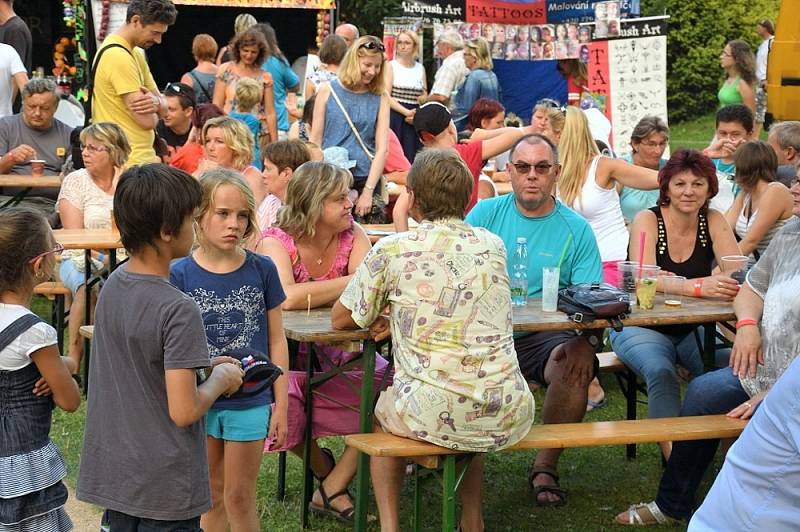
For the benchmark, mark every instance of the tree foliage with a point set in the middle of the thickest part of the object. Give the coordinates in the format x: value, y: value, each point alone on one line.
x: 368, y: 15
x: 698, y: 31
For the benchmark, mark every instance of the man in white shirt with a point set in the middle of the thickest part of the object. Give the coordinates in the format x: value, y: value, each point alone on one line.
x: 451, y: 75
x: 766, y: 31
x: 13, y: 78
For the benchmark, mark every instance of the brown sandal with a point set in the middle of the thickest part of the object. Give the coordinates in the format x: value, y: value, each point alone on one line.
x: 346, y: 515
x: 555, y: 489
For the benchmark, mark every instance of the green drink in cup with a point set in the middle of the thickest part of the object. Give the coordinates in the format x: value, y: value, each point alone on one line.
x: 647, y: 278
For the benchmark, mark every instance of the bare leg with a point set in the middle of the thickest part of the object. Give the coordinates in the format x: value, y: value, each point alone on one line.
x: 387, y: 480
x: 563, y: 403
x: 336, y: 479
x: 471, y: 495
x: 666, y: 449
x: 242, y: 460
x: 596, y: 392
x: 320, y: 462
x: 215, y: 520
x: 77, y: 310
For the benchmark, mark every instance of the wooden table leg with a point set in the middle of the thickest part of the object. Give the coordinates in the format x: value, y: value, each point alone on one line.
x: 365, y: 426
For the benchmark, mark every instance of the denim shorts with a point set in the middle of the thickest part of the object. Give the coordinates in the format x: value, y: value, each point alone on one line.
x: 70, y: 276
x: 251, y: 424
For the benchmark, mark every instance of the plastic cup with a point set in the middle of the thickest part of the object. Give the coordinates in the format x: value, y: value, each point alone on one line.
x: 673, y: 290
x: 37, y: 167
x: 627, y: 270
x: 735, y: 266
x: 550, y: 278
x: 646, y: 280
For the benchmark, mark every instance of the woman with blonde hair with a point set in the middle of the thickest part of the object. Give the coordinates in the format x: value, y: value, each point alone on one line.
x: 248, y: 51
x: 85, y: 201
x: 228, y: 143
x: 353, y: 112
x: 739, y: 64
x: 406, y: 83
x: 481, y: 82
x: 316, y: 248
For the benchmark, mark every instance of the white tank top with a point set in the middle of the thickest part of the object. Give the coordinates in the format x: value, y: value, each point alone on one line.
x: 407, y: 82
x: 601, y: 209
x: 744, y: 224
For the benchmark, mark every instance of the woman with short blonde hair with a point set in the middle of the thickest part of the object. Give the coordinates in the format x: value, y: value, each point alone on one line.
x: 358, y: 97
x: 316, y: 248
x: 481, y: 82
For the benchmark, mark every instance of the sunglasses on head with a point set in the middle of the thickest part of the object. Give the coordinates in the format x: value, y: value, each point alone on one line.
x: 176, y: 88
x: 549, y: 102
x: 374, y: 45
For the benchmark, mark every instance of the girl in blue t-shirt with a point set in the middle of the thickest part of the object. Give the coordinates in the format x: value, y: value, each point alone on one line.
x: 240, y: 295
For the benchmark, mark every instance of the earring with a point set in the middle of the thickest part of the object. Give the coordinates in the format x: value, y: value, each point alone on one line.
x: 39, y: 275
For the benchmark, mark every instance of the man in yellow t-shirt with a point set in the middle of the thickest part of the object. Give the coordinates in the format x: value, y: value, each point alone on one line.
x: 124, y: 90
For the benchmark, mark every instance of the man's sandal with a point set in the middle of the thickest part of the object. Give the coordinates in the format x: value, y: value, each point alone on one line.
x: 346, y: 515
x: 555, y: 489
x: 653, y: 516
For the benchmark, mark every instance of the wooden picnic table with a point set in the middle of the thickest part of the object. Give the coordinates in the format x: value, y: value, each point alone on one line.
x: 315, y: 326
x: 377, y: 231
x: 27, y: 183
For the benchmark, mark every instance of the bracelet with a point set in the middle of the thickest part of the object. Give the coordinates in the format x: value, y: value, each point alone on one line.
x: 698, y: 285
x: 370, y: 188
x: 745, y: 321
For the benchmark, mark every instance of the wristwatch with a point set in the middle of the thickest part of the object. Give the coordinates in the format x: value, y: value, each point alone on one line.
x: 591, y: 336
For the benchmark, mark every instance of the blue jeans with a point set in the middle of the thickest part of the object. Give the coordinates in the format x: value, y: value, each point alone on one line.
x: 652, y: 355
x: 716, y: 392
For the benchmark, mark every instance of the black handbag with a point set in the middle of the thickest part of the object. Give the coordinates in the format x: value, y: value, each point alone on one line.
x: 587, y: 302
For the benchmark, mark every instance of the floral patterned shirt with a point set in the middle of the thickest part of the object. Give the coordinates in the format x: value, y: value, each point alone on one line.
x: 457, y: 382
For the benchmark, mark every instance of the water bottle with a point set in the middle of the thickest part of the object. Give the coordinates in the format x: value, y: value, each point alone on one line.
x: 519, y: 273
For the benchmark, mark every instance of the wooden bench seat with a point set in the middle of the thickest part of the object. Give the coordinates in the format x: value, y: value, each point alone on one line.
x: 56, y: 292
x: 559, y: 436
x: 51, y: 289
x: 610, y: 363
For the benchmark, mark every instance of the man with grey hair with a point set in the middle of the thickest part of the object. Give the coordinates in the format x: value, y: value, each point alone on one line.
x: 451, y: 75
x: 784, y: 137
x: 34, y: 133
x: 348, y: 32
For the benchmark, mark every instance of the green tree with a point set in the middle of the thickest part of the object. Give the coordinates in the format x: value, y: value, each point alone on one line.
x: 368, y: 15
x: 698, y: 30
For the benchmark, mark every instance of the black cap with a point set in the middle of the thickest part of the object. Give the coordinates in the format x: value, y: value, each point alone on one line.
x: 431, y: 118
x: 259, y: 371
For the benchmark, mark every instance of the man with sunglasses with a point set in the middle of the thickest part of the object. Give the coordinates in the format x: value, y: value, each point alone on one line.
x: 563, y: 361
x: 174, y: 128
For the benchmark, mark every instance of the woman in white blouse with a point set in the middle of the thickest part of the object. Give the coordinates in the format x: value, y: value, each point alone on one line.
x: 407, y: 83
x: 85, y: 202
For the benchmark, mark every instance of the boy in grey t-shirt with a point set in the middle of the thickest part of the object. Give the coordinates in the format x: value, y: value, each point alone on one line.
x: 144, y: 449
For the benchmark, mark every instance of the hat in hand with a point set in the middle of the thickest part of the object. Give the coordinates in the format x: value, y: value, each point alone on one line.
x: 259, y: 371
x: 431, y: 119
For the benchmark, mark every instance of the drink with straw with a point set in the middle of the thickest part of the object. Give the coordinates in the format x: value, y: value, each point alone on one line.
x: 646, y: 286
x: 551, y: 276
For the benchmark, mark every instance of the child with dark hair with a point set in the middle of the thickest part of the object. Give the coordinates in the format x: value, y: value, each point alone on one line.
x: 145, y: 439
x: 33, y: 376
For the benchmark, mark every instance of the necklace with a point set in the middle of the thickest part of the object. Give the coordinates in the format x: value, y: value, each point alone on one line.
x: 322, y: 255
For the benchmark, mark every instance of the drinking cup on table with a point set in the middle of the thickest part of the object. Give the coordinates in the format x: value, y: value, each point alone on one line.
x: 735, y: 266
x: 627, y: 270
x: 673, y: 290
x: 646, y: 279
x: 37, y: 167
x: 550, y: 278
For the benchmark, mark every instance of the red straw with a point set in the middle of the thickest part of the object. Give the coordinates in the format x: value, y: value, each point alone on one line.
x: 641, y: 252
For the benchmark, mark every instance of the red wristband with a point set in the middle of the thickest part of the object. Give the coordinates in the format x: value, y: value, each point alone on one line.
x: 745, y: 321
x: 698, y: 285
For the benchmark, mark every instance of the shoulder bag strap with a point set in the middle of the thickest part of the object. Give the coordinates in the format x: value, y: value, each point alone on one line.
x: 350, y: 123
x: 17, y: 327
x: 92, y: 72
x: 202, y: 87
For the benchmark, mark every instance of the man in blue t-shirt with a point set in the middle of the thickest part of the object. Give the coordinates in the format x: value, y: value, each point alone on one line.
x: 561, y: 360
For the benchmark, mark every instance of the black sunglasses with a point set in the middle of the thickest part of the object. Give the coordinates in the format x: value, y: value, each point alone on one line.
x: 177, y: 89
x: 374, y: 45
x: 542, y: 169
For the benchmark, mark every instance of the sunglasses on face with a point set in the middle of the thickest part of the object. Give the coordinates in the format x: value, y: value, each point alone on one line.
x: 374, y: 46
x: 57, y: 250
x: 541, y: 169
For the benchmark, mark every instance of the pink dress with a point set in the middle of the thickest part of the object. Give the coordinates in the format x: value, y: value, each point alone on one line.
x: 336, y: 402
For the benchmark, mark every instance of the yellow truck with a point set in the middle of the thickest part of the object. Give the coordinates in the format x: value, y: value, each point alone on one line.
x: 783, y: 68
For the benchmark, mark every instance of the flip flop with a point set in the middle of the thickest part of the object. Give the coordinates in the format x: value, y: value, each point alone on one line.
x: 596, y: 405
x: 555, y: 489
x: 634, y: 517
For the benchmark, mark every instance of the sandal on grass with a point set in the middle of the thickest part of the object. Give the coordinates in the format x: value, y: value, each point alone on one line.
x: 596, y: 405
x: 331, y: 460
x: 554, y: 488
x: 644, y: 514
x: 346, y: 515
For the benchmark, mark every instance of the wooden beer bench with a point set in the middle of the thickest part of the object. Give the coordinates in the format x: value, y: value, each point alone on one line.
x: 56, y: 292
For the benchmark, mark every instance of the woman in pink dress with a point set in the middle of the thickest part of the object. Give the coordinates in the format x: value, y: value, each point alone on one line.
x: 317, y: 247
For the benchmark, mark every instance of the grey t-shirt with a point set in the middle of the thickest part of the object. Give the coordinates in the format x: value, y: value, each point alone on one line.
x: 787, y: 174
x: 16, y: 33
x: 52, y: 145
x: 135, y: 460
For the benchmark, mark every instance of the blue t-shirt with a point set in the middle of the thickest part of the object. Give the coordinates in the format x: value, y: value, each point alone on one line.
x: 546, y: 236
x: 254, y: 125
x: 633, y: 200
x: 283, y: 79
x: 234, y: 306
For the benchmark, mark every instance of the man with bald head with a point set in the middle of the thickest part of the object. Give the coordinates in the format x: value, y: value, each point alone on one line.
x: 348, y: 32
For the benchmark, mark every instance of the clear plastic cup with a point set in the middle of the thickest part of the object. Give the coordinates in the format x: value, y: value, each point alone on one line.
x: 673, y: 290
x: 646, y: 279
x: 735, y: 266
x: 627, y: 270
x: 550, y: 278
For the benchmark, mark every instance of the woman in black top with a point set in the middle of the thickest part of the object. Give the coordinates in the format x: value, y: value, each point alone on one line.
x: 684, y: 237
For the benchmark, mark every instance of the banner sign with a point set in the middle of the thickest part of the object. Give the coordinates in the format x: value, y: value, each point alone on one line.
x: 582, y: 10
x: 520, y: 12
x: 303, y: 4
x: 432, y: 11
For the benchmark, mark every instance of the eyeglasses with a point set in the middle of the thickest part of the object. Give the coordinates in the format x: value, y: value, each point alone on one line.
x: 541, y: 169
x: 726, y: 54
x: 57, y: 250
x: 93, y: 149
x: 549, y: 102
x: 374, y: 45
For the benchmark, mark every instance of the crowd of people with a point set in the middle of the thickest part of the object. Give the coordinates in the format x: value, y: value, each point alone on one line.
x: 239, y: 191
